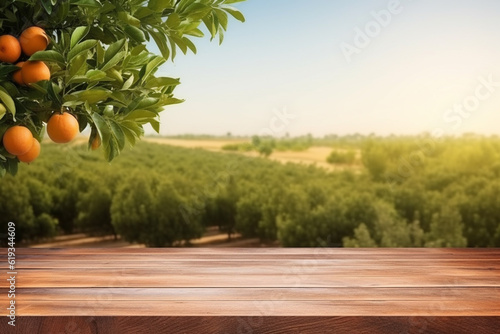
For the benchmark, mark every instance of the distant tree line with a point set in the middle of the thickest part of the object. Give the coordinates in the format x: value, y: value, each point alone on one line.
x: 413, y: 192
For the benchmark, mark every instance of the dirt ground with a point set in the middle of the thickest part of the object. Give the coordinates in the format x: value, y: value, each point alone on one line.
x: 211, y: 238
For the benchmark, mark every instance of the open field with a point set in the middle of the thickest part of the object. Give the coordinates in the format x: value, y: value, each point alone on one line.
x: 313, y: 156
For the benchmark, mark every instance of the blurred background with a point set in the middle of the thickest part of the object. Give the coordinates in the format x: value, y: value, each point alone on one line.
x: 315, y: 124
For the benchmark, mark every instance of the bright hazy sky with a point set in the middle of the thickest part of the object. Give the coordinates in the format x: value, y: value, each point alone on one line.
x: 288, y: 56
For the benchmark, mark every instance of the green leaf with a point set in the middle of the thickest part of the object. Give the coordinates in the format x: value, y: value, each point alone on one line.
x: 222, y: 16
x: 91, y: 96
x: 100, y: 53
x: 7, y: 101
x: 195, y: 33
x: 180, y: 43
x: 95, y: 75
x: 189, y: 44
x: 221, y: 36
x: 210, y: 24
x: 197, y: 11
x: 78, y: 35
x: 161, y: 42
x: 106, y: 7
x: 113, y: 55
x: 49, y: 56
x: 78, y: 65
x: 127, y: 84
x: 81, y: 47
x: 143, y: 12
x: 129, y: 134
x: 113, y: 49
x: 107, y: 140
x: 72, y: 104
x: 140, y: 114
x: 162, y: 82
x: 3, y: 111
x: 134, y: 127
x: 135, y: 33
x: 47, y: 5
x: 113, y: 61
x: 126, y: 17
x: 5, y: 70
x: 53, y: 90
x: 86, y: 3
x: 159, y: 5
x: 12, y: 166
x: 173, y: 21
x: 41, y: 86
x: 118, y: 134
x: 155, y: 125
x: 111, y: 150
x: 145, y: 103
x: 171, y: 100
x: 234, y: 13
x: 151, y: 67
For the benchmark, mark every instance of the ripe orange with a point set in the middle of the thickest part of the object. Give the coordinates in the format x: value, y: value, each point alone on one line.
x: 10, y: 49
x: 17, y: 76
x: 32, y: 154
x: 18, y: 140
x: 34, y: 71
x: 96, y: 143
x: 62, y: 128
x: 33, y: 39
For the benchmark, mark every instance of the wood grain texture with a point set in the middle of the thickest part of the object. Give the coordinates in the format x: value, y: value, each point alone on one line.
x: 260, y: 290
x: 254, y: 325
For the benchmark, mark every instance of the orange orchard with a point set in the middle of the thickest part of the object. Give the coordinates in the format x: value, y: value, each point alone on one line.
x: 61, y: 127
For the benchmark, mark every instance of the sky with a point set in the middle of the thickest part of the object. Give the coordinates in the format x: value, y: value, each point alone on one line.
x: 343, y: 67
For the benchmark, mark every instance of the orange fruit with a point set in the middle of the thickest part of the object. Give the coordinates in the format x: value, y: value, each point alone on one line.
x: 34, y: 71
x: 10, y: 49
x: 33, y: 39
x: 17, y: 76
x: 96, y: 143
x: 62, y: 128
x: 18, y: 140
x: 32, y: 154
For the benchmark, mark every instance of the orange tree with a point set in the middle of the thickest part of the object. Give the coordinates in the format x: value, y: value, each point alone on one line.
x: 89, y: 60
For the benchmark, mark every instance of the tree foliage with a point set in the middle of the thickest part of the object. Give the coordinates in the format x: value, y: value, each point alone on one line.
x: 103, y: 67
x: 163, y: 196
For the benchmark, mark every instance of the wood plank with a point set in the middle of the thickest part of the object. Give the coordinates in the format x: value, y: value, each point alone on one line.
x: 424, y: 254
x: 134, y: 278
x: 361, y: 293
x: 256, y: 268
x: 302, y: 251
x: 260, y: 308
x: 254, y: 325
x: 124, y: 262
x: 374, y: 290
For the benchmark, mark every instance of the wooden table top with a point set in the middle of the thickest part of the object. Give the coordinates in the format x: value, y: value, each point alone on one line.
x: 260, y: 283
